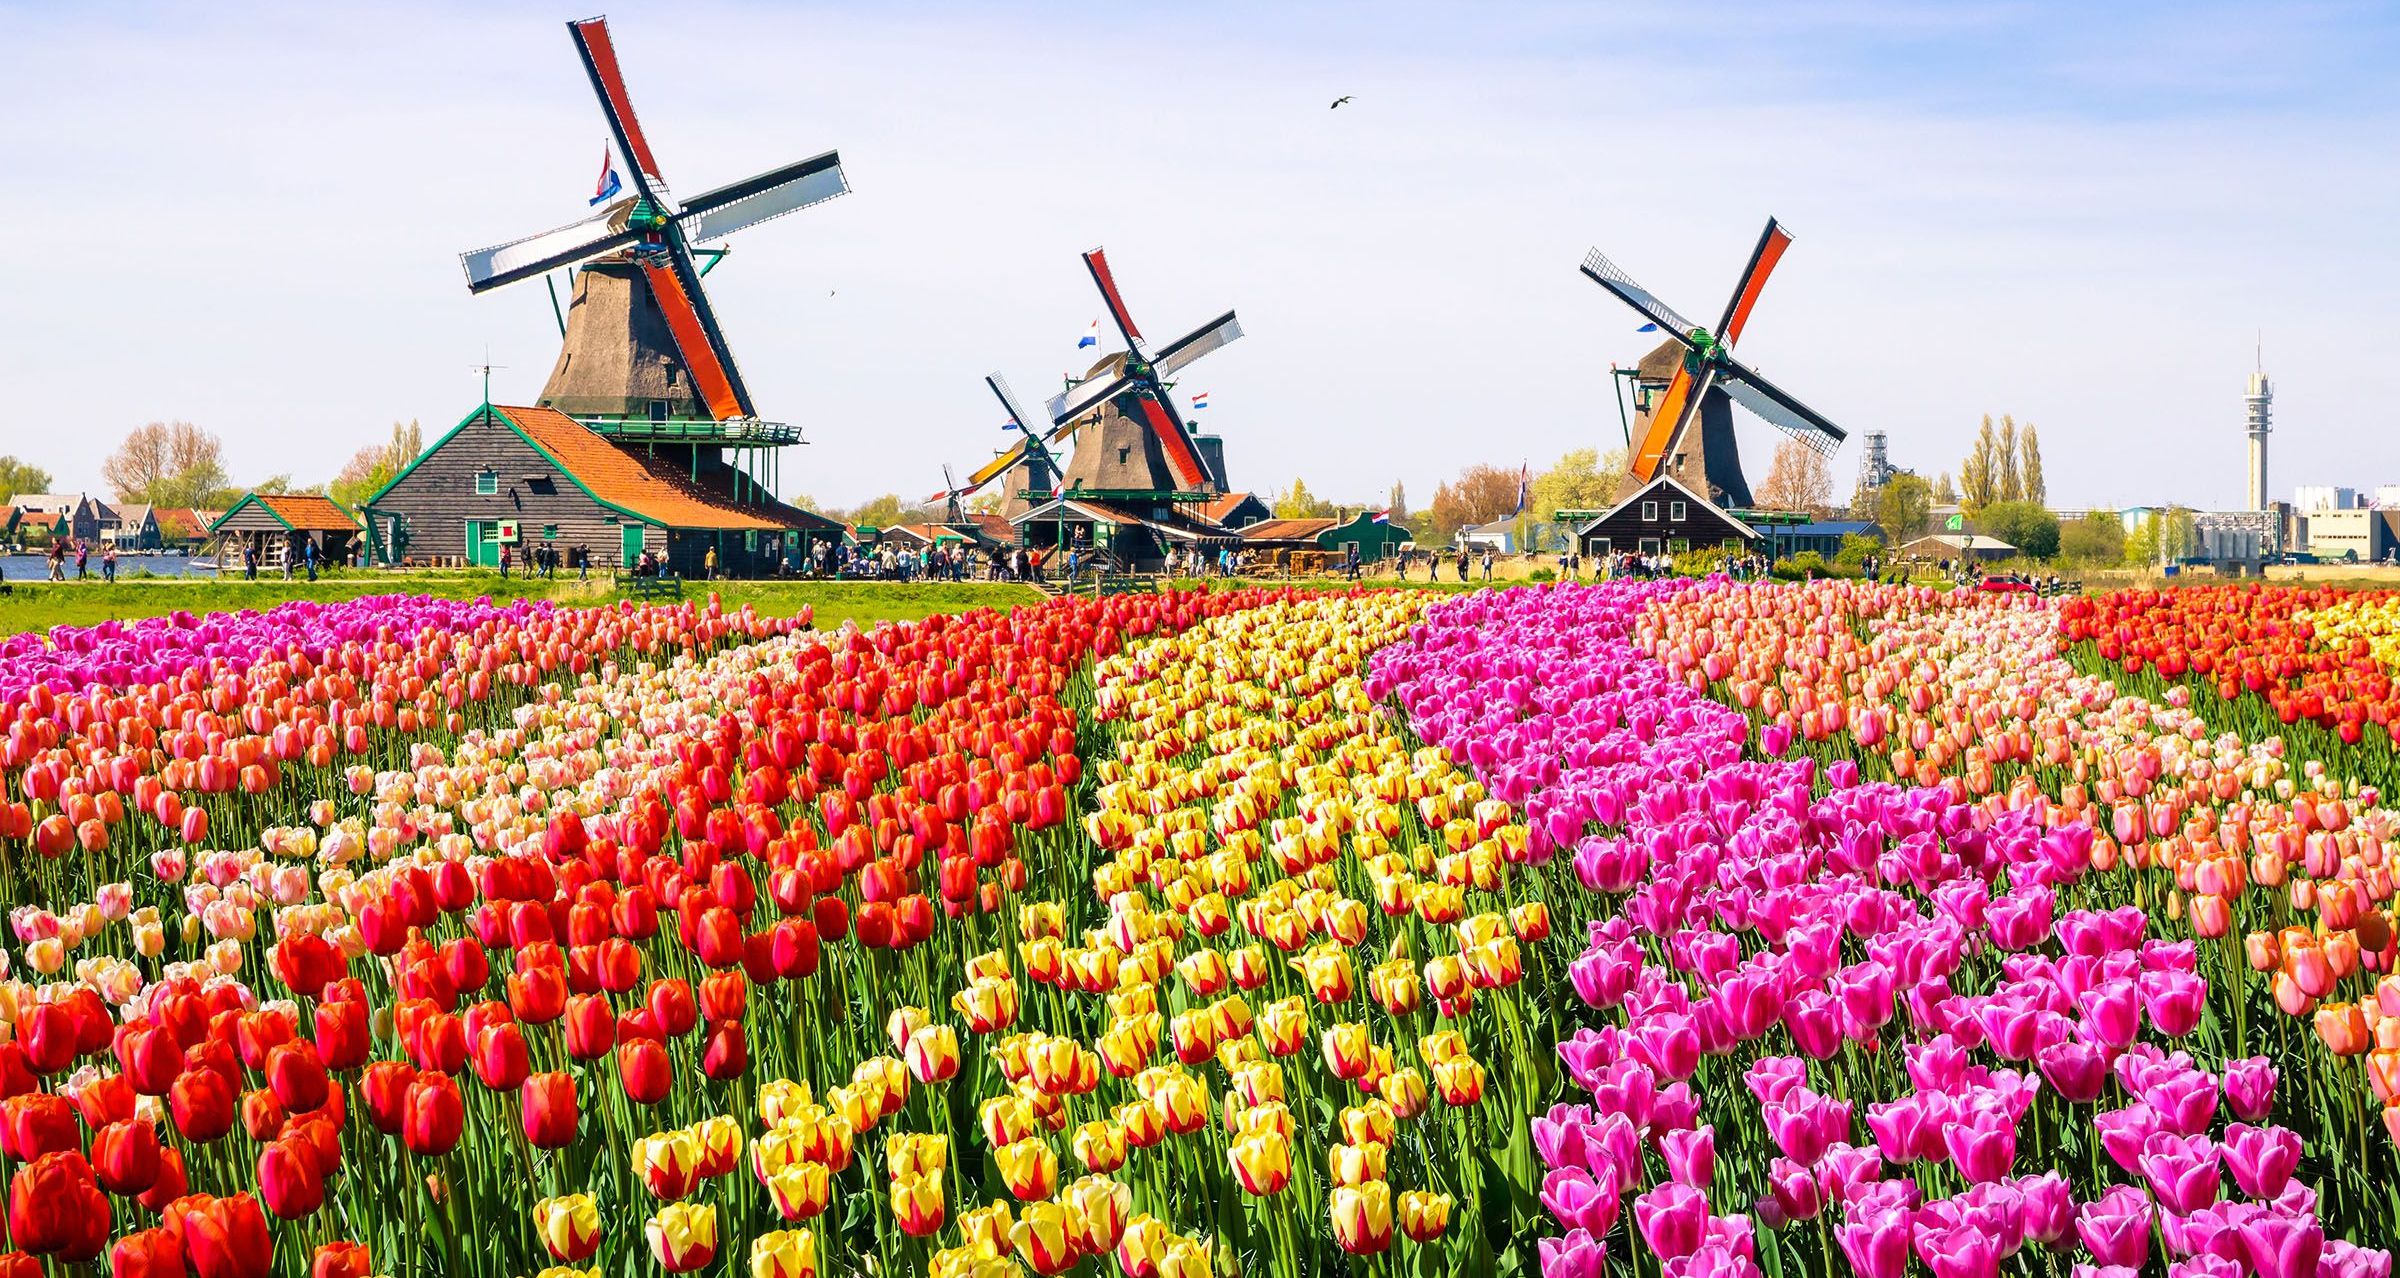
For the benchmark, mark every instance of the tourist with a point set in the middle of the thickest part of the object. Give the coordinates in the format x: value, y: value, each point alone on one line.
x: 708, y: 565
x: 583, y: 563
x: 1462, y: 564
x: 250, y: 559
x: 1487, y: 564
x: 309, y: 552
x: 505, y: 557
x: 83, y: 557
x: 58, y: 561
x: 108, y: 564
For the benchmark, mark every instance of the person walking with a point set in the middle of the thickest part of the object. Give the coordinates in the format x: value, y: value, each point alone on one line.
x: 308, y: 553
x: 504, y: 560
x: 83, y: 559
x: 58, y: 561
x: 250, y: 559
x: 708, y: 565
x: 108, y: 564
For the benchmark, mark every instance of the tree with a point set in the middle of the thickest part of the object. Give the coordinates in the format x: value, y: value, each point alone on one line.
x: 375, y: 465
x: 2097, y: 538
x: 166, y: 464
x: 1945, y: 492
x: 1581, y: 480
x: 1798, y: 480
x: 1979, y: 476
x: 1479, y: 495
x: 1398, y: 505
x: 883, y: 512
x: 2029, y: 469
x: 2029, y: 526
x: 1902, y: 508
x: 1296, y: 502
x: 2006, y: 484
x: 21, y: 477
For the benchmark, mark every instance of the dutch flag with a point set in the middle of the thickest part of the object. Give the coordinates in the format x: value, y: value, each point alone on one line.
x: 610, y: 183
x: 1199, y: 401
x: 1091, y: 336
x: 1383, y: 517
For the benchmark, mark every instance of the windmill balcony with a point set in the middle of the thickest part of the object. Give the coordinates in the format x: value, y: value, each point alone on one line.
x: 744, y: 433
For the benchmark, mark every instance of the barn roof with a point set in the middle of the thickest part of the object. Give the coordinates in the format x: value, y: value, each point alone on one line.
x: 617, y: 477
x: 1220, y: 508
x: 1287, y: 529
x: 1668, y: 481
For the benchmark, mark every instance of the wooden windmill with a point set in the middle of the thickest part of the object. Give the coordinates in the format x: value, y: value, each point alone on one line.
x: 642, y: 343
x: 1030, y: 456
x: 1134, y: 443
x: 1684, y: 390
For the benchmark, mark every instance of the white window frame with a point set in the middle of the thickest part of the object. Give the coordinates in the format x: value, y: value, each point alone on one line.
x: 1650, y: 511
x: 1675, y: 511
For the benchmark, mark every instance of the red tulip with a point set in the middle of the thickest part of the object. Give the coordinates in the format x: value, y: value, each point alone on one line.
x: 38, y: 1123
x: 56, y: 1209
x: 501, y: 1058
x: 170, y: 1184
x: 876, y: 925
x: 644, y: 1071
x: 728, y: 1054
x: 724, y: 996
x: 671, y: 1002
x: 342, y: 1036
x: 289, y: 1178
x: 385, y: 1086
x: 262, y: 1114
x: 297, y: 1076
x: 151, y: 1058
x: 341, y: 1259
x: 49, y: 1033
x: 539, y: 996
x: 550, y: 1110
x: 125, y: 1156
x: 201, y: 1102
x: 223, y: 1237
x: 152, y: 1253
x: 433, y: 1116
x: 104, y: 1100
x: 795, y: 948
x: 832, y: 918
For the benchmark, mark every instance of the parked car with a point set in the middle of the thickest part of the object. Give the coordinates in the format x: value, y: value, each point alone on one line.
x: 2005, y: 583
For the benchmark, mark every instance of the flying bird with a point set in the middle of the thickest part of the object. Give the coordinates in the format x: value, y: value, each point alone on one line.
x: 1337, y: 102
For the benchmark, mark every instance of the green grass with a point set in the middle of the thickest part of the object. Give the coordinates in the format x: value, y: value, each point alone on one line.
x: 39, y: 606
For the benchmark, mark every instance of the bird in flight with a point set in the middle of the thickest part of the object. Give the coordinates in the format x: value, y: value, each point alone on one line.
x: 1337, y: 102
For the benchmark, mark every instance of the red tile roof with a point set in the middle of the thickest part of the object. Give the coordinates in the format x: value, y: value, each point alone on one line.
x: 1218, y: 508
x: 1286, y: 529
x: 307, y: 512
x: 617, y: 476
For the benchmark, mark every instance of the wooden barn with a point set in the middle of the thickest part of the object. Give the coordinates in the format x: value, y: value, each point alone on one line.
x: 524, y: 477
x: 1135, y: 537
x: 278, y: 526
x: 1662, y: 517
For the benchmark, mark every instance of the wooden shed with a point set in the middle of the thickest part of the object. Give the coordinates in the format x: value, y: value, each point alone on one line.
x: 1662, y: 517
x: 277, y: 527
x: 1376, y: 537
x: 512, y: 476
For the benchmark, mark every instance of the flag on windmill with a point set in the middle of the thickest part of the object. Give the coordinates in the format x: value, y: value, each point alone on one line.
x: 1091, y: 336
x: 1199, y: 401
x: 1524, y: 487
x: 610, y: 183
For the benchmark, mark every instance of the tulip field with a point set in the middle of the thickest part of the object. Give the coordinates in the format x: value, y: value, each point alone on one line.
x: 1670, y: 929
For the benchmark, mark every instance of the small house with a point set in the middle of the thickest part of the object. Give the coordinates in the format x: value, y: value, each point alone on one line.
x: 1958, y: 546
x: 1663, y: 517
x: 77, y: 516
x: 1236, y: 510
x: 136, y: 527
x: 281, y: 528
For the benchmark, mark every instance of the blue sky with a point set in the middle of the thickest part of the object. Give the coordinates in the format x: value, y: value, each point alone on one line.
x: 248, y: 216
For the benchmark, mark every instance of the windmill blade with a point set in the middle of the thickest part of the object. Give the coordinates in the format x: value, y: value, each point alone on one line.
x: 534, y: 255
x: 1017, y: 413
x: 702, y: 350
x: 1778, y: 409
x: 1683, y: 395
x: 716, y: 214
x: 600, y: 63
x: 1771, y: 244
x: 998, y: 466
x: 1097, y: 262
x: 1070, y: 405
x: 1183, y: 457
x: 1607, y: 275
x: 1214, y: 335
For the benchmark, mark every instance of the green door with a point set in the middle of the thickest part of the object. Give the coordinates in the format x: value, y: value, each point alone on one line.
x: 632, y: 553
x: 475, y: 542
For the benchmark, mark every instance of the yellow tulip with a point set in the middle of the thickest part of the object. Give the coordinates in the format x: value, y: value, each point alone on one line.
x: 1373, y: 1123
x: 1283, y: 1026
x: 782, y: 1097
x: 1262, y: 1162
x: 988, y: 1227
x: 569, y: 1226
x: 903, y: 1022
x: 1100, y: 1146
x: 800, y: 1190
x: 1185, y: 1258
x: 1028, y: 1167
x: 918, y: 1205
x: 1044, y: 1237
x: 1355, y: 1164
x: 786, y: 1253
x: 1424, y: 1216
x: 916, y: 1153
x: 1099, y: 1208
x: 682, y: 1236
x: 1142, y: 1246
x: 932, y: 1053
x: 1362, y: 1216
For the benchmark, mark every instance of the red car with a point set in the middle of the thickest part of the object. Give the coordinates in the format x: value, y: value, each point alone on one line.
x: 2005, y: 584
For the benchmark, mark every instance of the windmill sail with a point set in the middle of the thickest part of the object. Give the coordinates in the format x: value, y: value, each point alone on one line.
x: 1776, y: 408
x: 1609, y: 276
x: 1215, y: 335
x: 741, y: 205
x: 538, y: 254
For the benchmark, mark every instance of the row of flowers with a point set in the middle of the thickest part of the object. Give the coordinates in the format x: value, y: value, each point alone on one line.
x: 1908, y: 1012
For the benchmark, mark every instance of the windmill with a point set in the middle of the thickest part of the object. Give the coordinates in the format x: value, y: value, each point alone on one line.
x: 620, y: 362
x: 1684, y: 388
x: 1030, y: 452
